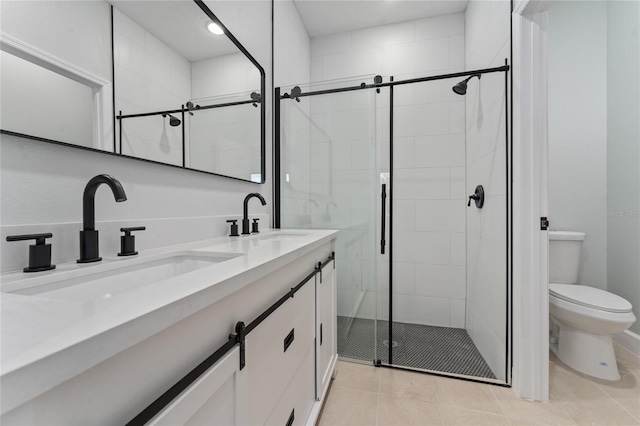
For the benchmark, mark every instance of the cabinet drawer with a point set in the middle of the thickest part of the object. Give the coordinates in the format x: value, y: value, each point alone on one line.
x: 275, y: 349
x: 298, y: 399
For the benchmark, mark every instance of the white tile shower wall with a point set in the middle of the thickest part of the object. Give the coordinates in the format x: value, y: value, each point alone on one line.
x: 292, y: 67
x: 42, y: 183
x: 344, y: 191
x: 429, y: 160
x: 224, y: 140
x: 487, y: 45
x: 150, y: 76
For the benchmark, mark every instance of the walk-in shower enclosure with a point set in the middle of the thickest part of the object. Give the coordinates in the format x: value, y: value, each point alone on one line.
x: 422, y: 269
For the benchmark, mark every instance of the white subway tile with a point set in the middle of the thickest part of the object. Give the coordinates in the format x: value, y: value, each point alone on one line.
x: 421, y: 310
x: 458, y: 248
x: 419, y: 120
x: 458, y: 190
x: 457, y: 312
x: 422, y: 247
x: 404, y: 215
x: 440, y: 26
x: 428, y: 183
x: 403, y: 153
x: 404, y: 278
x: 383, y: 35
x: 456, y: 52
x: 439, y: 151
x: 331, y: 44
x: 440, y: 215
x: 441, y: 281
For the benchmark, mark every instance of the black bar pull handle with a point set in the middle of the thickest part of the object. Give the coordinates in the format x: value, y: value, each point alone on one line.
x: 292, y: 417
x: 289, y: 339
x: 320, y: 334
x: 383, y: 221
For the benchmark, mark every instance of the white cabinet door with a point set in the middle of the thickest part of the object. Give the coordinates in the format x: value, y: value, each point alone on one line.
x: 216, y: 398
x: 326, y: 333
x: 275, y: 349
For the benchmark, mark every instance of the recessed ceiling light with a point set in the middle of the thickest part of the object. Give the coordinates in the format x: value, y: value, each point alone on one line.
x: 214, y: 28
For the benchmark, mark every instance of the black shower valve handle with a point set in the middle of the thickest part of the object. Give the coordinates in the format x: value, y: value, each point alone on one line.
x: 478, y: 197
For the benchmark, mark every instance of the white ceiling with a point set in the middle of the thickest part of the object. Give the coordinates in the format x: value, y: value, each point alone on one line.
x: 180, y: 25
x: 323, y: 17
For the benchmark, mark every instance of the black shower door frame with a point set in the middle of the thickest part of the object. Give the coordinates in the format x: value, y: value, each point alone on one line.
x: 296, y: 93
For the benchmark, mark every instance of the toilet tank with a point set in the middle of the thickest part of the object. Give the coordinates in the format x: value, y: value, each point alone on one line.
x: 564, y: 256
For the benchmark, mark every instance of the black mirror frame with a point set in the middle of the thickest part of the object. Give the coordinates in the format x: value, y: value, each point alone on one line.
x: 235, y: 41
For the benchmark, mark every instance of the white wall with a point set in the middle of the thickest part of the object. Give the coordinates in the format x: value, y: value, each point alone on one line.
x: 150, y: 76
x: 429, y: 275
x: 43, y: 183
x: 487, y: 35
x: 222, y: 75
x: 623, y: 152
x: 40, y: 102
x: 578, y: 129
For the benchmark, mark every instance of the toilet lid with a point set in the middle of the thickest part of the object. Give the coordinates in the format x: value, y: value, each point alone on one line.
x: 591, y: 297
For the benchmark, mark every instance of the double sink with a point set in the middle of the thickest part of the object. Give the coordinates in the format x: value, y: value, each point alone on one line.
x: 116, y: 276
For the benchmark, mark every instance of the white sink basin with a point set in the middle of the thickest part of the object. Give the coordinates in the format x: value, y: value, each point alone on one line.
x: 119, y: 279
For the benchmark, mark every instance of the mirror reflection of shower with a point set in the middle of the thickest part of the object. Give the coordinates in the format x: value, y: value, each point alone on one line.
x: 173, y: 121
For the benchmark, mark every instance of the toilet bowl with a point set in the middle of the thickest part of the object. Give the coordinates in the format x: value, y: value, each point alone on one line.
x: 583, y: 318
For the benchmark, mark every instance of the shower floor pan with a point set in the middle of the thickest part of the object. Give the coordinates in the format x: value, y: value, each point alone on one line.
x: 444, y: 349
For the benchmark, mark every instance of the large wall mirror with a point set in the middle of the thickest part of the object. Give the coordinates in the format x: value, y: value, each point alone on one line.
x: 161, y: 81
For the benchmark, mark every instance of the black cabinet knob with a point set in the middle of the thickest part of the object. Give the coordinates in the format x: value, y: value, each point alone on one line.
x: 128, y: 241
x: 39, y: 253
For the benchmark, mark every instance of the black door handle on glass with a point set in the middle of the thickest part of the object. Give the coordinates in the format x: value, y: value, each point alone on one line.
x: 383, y: 218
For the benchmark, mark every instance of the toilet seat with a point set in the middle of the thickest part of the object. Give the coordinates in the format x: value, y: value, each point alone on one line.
x: 590, y: 297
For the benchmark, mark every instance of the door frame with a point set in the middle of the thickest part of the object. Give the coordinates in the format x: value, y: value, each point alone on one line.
x: 530, y: 145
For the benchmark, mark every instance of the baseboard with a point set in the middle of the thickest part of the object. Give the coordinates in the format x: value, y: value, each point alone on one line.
x: 628, y: 340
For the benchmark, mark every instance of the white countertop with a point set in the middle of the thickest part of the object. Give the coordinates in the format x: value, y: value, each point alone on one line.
x: 45, y: 341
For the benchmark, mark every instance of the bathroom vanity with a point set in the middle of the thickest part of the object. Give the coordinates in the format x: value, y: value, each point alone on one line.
x: 101, y: 343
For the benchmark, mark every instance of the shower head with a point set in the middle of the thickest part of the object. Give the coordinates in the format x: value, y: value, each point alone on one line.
x: 461, y: 88
x: 173, y: 121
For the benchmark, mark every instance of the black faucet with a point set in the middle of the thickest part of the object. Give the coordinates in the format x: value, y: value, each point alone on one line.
x: 89, y: 250
x: 245, y: 219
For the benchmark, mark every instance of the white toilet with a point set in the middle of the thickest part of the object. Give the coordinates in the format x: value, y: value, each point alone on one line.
x: 583, y: 318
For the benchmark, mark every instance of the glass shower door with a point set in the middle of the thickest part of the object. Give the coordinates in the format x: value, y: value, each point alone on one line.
x: 448, y: 271
x: 329, y: 180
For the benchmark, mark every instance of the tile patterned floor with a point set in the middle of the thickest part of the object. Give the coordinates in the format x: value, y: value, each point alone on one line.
x: 365, y: 395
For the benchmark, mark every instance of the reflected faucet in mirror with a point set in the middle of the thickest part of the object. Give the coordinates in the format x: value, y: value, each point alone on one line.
x: 89, y: 249
x: 245, y: 217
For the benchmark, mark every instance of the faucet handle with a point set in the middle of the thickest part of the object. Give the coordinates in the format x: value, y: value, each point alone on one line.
x: 254, y: 226
x: 234, y: 228
x: 128, y: 231
x: 128, y: 241
x: 39, y: 253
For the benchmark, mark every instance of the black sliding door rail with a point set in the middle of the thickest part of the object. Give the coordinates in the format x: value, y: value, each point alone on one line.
x: 165, y: 399
x: 183, y: 110
x: 397, y: 83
